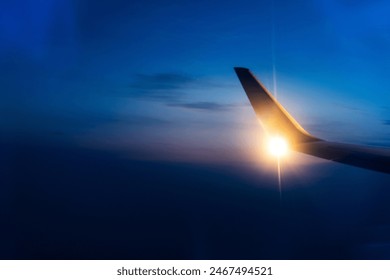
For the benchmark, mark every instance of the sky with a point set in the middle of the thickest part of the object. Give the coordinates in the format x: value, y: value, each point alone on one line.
x: 151, y: 83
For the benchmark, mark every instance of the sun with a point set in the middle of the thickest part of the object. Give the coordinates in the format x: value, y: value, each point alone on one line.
x: 277, y: 146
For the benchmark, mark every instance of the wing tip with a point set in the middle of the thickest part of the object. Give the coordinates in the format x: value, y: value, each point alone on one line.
x: 269, y: 110
x: 241, y: 69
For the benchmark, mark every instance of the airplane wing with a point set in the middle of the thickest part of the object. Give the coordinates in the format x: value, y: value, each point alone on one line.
x: 276, y: 121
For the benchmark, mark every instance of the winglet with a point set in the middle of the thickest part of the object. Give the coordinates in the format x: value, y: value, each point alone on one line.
x: 271, y: 114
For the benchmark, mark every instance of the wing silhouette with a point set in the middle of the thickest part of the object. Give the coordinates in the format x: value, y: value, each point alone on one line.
x: 278, y: 122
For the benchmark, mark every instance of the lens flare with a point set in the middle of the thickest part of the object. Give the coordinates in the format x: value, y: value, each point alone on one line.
x: 277, y: 146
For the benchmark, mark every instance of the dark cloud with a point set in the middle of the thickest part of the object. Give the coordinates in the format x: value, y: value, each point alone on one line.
x: 160, y: 86
x: 208, y: 106
x: 142, y: 121
x: 161, y: 81
x: 348, y: 107
x: 170, y: 88
x: 380, y: 143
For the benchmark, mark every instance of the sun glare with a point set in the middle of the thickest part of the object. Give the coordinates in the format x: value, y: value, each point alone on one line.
x: 277, y: 146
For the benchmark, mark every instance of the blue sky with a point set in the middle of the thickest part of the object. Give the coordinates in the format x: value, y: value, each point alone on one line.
x: 154, y: 79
